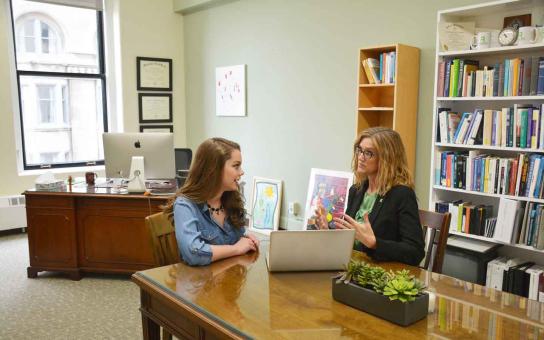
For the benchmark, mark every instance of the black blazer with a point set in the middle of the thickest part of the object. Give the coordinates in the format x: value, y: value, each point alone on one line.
x: 395, y: 222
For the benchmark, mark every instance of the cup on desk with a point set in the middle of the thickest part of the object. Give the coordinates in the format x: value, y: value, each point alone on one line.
x: 480, y: 41
x: 526, y: 35
x: 90, y: 177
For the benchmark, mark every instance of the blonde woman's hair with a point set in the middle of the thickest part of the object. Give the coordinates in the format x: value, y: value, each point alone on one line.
x: 392, y: 166
x: 205, y: 178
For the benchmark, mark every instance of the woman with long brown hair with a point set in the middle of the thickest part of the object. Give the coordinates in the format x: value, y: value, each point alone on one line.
x: 382, y: 205
x: 208, y: 211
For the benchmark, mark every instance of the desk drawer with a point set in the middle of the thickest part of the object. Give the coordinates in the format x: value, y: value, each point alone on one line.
x: 49, y: 201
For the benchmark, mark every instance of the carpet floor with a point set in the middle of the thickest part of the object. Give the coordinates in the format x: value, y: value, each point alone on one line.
x: 55, y: 307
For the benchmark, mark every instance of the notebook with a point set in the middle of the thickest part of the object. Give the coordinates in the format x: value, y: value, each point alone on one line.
x: 309, y: 250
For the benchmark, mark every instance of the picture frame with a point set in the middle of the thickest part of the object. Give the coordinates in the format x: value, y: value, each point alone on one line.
x: 265, y: 205
x: 230, y: 91
x: 155, y: 107
x: 153, y: 74
x: 517, y: 21
x: 157, y: 128
x: 330, y: 188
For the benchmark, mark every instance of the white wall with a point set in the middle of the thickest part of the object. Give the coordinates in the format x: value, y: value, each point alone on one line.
x: 146, y: 28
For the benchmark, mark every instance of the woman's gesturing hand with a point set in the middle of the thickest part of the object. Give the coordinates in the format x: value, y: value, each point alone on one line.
x: 321, y: 217
x: 363, y: 231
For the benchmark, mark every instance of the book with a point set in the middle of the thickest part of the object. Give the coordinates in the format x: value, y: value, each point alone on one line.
x: 540, y: 81
x: 505, y: 219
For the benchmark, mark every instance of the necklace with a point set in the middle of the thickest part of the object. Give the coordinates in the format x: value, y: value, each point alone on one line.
x: 216, y: 210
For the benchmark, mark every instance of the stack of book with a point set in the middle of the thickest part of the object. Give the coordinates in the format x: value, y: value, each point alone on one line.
x: 468, y: 218
x: 519, y: 176
x: 515, y: 222
x: 381, y: 71
x: 511, y: 77
x: 517, y: 277
x: 519, y: 126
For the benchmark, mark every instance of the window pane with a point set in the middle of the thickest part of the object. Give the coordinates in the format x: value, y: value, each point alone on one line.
x: 75, y: 126
x: 66, y: 39
x: 46, y: 103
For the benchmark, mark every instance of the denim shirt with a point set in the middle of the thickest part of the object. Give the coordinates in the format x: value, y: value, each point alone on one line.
x: 196, y: 231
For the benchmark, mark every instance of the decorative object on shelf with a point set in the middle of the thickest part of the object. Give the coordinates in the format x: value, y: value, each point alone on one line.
x: 394, y: 296
x: 329, y: 189
x: 156, y: 128
x: 153, y: 74
x: 508, y: 36
x: 526, y: 35
x: 266, y: 204
x: 230, y: 90
x: 480, y: 41
x: 517, y: 21
x: 155, y: 107
x: 455, y: 36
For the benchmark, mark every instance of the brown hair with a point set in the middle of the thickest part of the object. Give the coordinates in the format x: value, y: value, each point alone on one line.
x: 392, y: 167
x: 205, y: 178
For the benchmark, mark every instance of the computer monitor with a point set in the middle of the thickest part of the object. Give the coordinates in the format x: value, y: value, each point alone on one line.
x: 157, y: 148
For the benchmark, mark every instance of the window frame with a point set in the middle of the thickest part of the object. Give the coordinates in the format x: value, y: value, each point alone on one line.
x: 100, y: 76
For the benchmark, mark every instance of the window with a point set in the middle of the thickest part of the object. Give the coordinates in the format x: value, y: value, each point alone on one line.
x: 59, y: 52
x: 36, y: 36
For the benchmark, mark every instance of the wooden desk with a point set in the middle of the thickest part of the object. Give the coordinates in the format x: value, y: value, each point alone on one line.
x: 239, y: 298
x: 89, y: 229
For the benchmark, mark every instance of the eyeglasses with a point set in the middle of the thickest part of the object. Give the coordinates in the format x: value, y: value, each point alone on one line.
x: 367, y: 154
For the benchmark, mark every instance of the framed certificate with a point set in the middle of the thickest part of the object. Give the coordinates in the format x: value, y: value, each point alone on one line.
x: 156, y: 128
x: 155, y: 107
x: 154, y: 74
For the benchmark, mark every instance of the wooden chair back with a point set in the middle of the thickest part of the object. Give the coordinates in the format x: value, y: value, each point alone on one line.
x: 163, y: 239
x: 435, y: 232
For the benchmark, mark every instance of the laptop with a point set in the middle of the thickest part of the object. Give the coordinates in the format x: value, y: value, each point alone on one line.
x: 309, y: 250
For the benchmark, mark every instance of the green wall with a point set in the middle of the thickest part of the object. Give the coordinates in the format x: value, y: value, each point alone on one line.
x: 301, y: 61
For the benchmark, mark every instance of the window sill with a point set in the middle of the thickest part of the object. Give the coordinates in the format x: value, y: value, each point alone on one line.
x: 93, y: 168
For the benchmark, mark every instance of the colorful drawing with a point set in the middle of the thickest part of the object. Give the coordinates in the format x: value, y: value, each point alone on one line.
x: 330, y: 190
x: 230, y: 90
x: 266, y: 204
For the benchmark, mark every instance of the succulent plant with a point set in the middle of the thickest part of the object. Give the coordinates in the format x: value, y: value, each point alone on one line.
x: 399, y: 285
x: 401, y: 288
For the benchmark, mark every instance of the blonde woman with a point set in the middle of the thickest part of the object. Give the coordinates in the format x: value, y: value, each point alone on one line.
x: 208, y: 211
x: 382, y: 205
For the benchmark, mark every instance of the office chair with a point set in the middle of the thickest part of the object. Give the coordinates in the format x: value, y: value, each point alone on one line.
x: 183, y: 158
x: 437, y: 225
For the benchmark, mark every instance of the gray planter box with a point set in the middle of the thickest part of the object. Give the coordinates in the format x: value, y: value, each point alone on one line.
x: 379, y: 305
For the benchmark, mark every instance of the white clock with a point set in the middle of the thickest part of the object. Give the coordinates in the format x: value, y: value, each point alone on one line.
x: 508, y: 36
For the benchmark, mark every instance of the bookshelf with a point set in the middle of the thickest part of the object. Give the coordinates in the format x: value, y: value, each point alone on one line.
x: 486, y: 16
x: 393, y: 104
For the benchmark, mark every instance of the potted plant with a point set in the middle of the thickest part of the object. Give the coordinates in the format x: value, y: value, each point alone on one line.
x: 394, y: 296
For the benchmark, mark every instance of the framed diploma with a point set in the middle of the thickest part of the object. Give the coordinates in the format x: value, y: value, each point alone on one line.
x: 155, y: 107
x: 156, y: 128
x: 154, y: 74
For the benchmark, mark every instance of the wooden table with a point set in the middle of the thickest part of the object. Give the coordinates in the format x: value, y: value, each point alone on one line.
x: 88, y: 229
x: 239, y: 298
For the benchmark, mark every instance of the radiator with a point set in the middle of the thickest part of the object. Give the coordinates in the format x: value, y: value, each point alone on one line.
x: 12, y: 212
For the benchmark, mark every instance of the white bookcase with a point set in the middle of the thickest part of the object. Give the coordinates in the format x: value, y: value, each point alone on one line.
x: 487, y: 15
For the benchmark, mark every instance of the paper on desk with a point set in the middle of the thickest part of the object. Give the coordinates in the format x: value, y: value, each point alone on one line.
x: 46, y: 178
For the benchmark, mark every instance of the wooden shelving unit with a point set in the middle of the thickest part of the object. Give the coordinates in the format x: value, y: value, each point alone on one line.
x: 391, y: 105
x: 489, y: 15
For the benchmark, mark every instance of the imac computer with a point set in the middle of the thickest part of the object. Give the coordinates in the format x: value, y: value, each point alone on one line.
x: 139, y: 156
